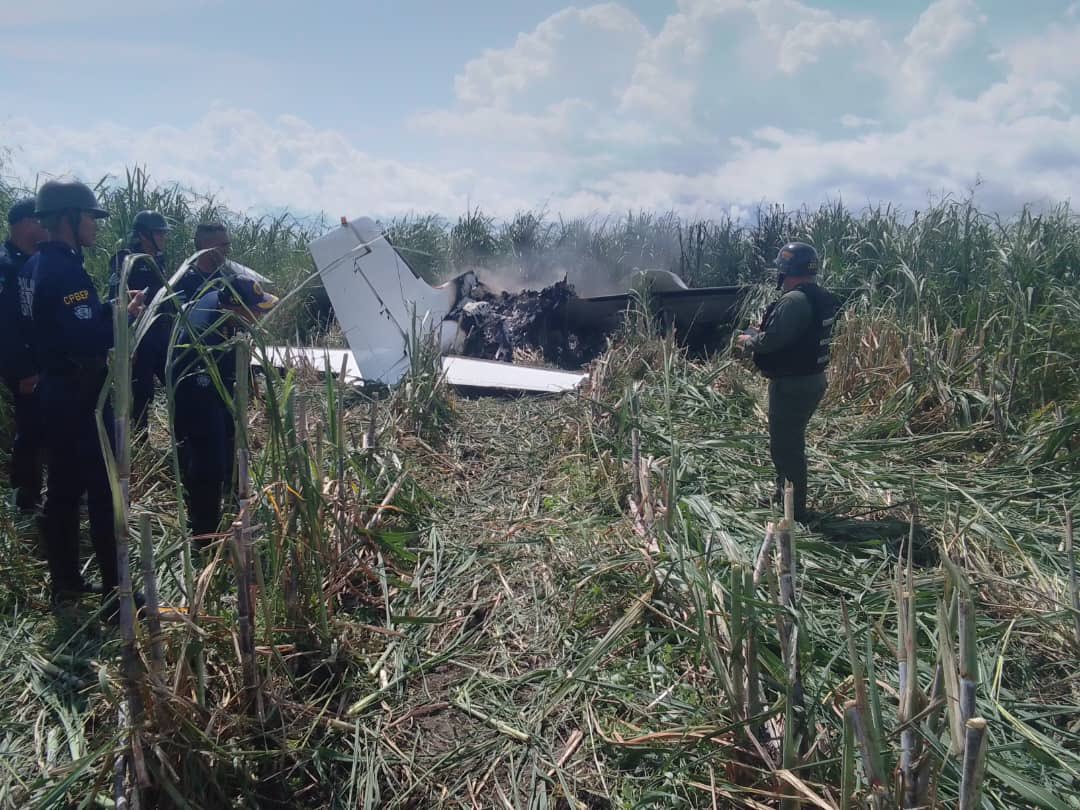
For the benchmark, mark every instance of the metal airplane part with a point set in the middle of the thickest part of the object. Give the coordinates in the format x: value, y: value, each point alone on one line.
x: 695, y: 312
x: 461, y: 372
x: 379, y: 301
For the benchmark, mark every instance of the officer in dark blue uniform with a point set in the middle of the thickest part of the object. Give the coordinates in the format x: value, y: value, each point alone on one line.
x: 17, y: 364
x: 219, y: 304
x: 72, y: 335
x: 149, y: 231
x: 791, y: 348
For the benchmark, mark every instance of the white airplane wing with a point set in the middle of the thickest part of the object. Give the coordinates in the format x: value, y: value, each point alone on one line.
x: 462, y: 372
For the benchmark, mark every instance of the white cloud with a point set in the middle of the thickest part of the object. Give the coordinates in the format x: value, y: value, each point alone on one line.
x: 1052, y: 55
x: 500, y: 76
x: 250, y: 161
x: 944, y: 25
x: 663, y: 81
x: 756, y: 38
x: 941, y: 29
x: 640, y: 88
x: 590, y: 112
x: 244, y: 158
x: 494, y: 124
x: 799, y: 34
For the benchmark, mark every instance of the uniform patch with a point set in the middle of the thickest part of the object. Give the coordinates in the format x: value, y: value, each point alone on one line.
x: 76, y: 297
x: 202, y: 380
x: 83, y: 312
x: 26, y: 297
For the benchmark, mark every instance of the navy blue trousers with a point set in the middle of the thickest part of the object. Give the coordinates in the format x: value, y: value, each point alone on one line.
x: 205, y: 435
x: 27, y: 450
x: 148, y: 365
x: 76, y: 466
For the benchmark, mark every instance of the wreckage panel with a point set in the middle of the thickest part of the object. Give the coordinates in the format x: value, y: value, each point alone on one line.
x: 313, y: 357
x: 379, y: 301
x: 376, y: 296
x: 464, y: 372
x: 472, y: 373
x: 690, y: 309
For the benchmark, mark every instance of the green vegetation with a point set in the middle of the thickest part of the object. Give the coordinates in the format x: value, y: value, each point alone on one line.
x: 560, y: 602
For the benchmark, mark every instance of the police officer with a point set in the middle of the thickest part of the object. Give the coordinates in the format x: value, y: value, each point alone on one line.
x: 149, y: 230
x: 219, y: 304
x: 72, y: 334
x: 791, y: 348
x: 16, y: 358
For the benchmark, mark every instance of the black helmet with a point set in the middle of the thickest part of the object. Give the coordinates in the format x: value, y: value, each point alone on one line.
x: 149, y: 221
x: 64, y: 195
x: 21, y: 209
x: 797, y: 259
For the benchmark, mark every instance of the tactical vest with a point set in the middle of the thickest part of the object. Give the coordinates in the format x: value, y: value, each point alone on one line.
x: 809, y: 353
x: 143, y: 276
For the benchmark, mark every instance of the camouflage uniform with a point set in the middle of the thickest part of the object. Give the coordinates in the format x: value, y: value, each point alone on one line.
x: 792, y: 349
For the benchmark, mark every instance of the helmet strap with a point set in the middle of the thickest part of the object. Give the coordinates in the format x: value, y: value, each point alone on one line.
x: 74, y: 220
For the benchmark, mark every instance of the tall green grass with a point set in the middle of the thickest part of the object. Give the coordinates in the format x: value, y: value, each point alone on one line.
x: 986, y: 303
x: 568, y: 602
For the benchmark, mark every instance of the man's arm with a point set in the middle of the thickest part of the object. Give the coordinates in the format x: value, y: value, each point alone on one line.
x: 789, y: 320
x: 12, y: 350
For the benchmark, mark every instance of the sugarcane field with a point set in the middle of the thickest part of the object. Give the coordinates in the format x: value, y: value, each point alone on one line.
x: 636, y: 405
x: 427, y: 596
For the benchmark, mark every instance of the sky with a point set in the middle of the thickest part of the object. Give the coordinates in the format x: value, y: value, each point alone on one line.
x: 703, y: 107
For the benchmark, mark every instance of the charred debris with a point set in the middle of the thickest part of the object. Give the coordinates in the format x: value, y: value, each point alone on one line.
x: 569, y: 331
x: 497, y: 324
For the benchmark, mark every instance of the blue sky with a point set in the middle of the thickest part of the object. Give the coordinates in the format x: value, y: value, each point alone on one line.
x: 702, y: 106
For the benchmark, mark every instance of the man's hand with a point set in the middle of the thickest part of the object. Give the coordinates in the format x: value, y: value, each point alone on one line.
x: 137, y: 304
x: 742, y: 342
x: 27, y: 385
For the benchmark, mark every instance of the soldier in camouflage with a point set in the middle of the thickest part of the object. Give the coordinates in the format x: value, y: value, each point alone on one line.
x: 791, y: 348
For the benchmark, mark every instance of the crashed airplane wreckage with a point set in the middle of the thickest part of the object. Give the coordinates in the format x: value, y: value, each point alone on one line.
x: 379, y: 301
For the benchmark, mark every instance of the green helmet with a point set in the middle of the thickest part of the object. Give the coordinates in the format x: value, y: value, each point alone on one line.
x: 149, y: 221
x: 65, y: 195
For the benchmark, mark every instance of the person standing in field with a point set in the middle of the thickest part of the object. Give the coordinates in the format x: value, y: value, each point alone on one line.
x: 72, y: 336
x: 217, y: 304
x: 17, y: 360
x: 149, y: 231
x: 791, y: 349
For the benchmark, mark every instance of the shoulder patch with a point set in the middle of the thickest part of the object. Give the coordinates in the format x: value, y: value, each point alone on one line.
x: 76, y: 297
x: 83, y: 312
